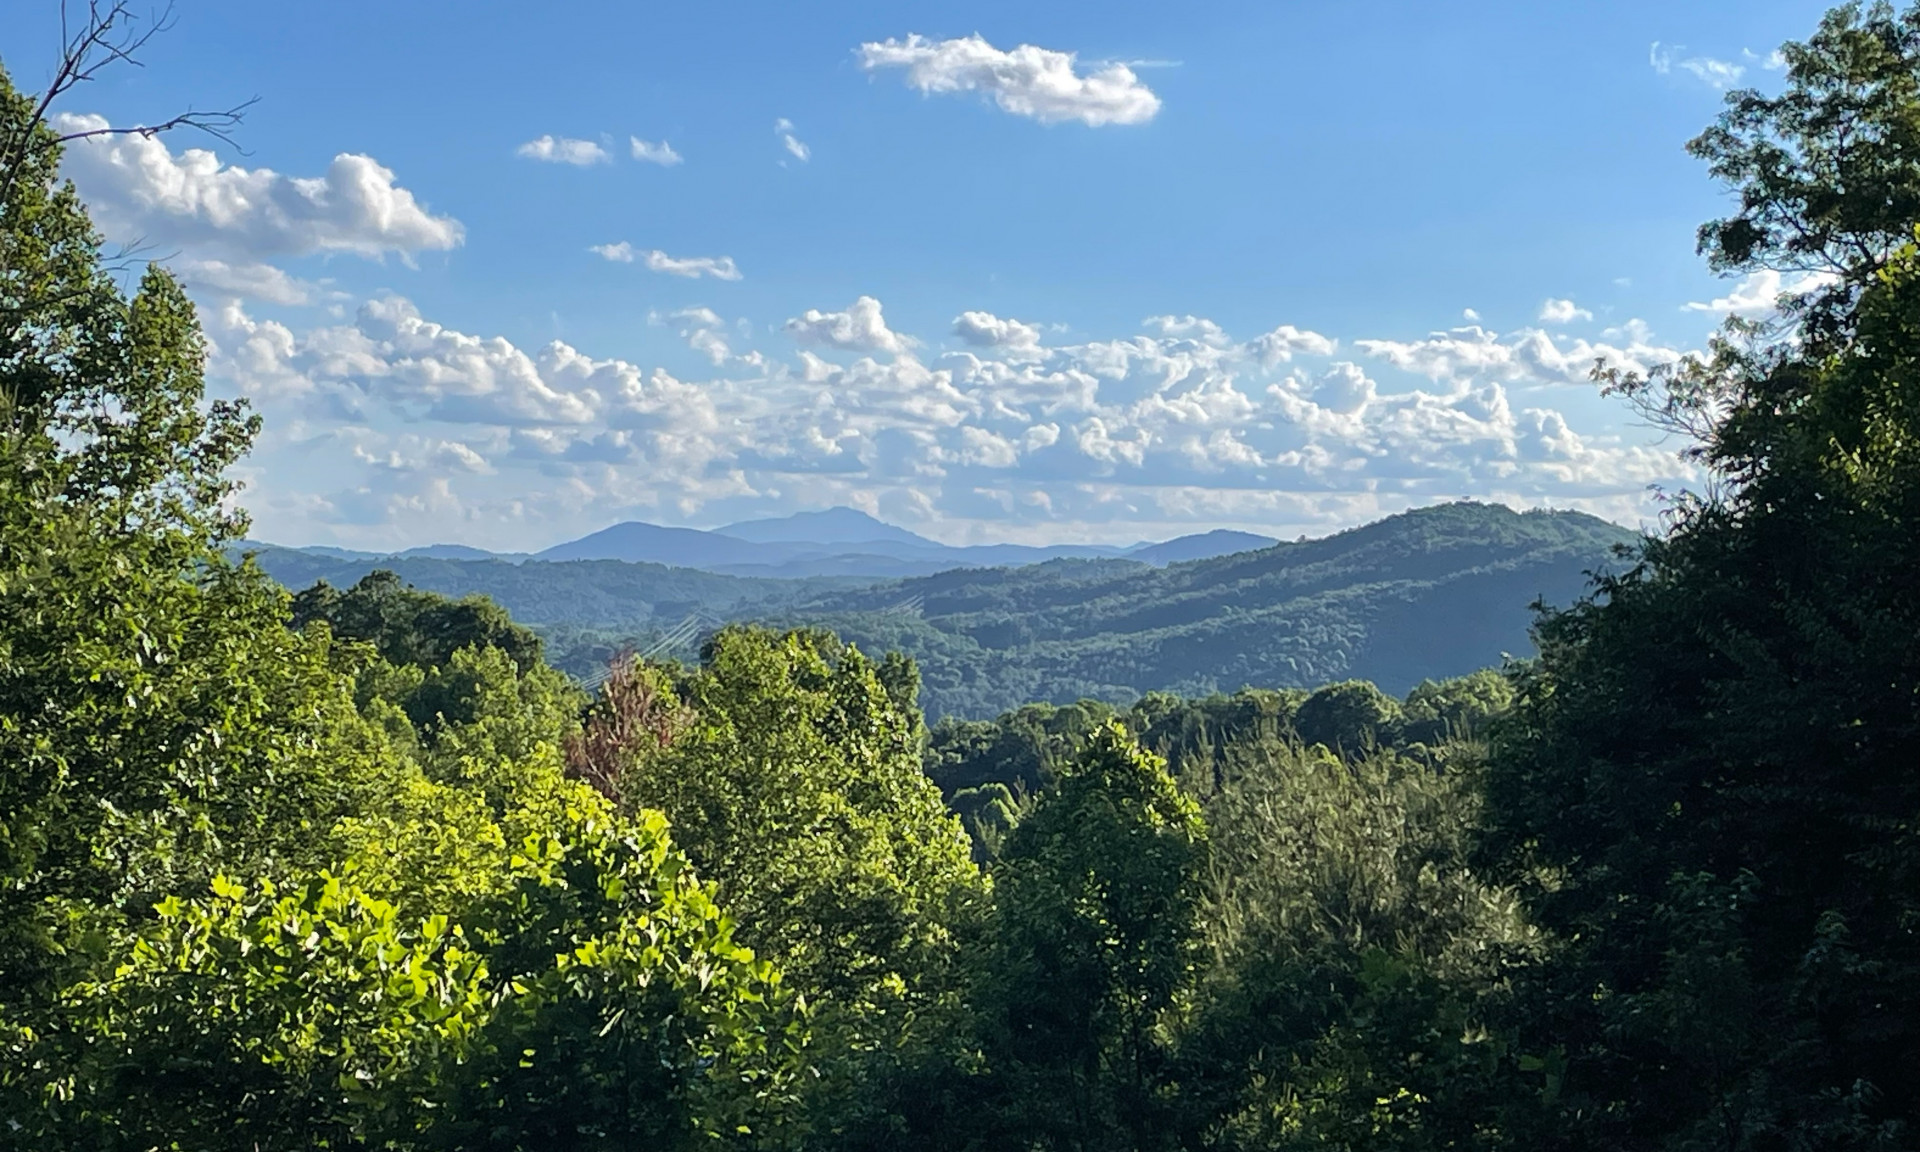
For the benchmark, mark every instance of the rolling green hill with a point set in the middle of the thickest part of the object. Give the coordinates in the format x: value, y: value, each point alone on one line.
x: 1437, y: 592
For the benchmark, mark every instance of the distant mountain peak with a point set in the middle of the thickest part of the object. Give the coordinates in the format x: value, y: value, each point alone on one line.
x: 837, y: 525
x: 1199, y: 546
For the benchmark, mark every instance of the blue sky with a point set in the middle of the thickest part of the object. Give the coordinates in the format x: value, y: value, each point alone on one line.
x: 992, y: 271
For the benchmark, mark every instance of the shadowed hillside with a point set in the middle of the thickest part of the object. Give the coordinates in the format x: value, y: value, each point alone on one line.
x: 1437, y: 592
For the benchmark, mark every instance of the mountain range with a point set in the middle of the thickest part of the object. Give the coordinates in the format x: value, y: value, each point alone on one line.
x: 833, y: 542
x: 1436, y: 592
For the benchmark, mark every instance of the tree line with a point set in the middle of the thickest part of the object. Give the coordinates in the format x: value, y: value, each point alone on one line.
x: 358, y: 869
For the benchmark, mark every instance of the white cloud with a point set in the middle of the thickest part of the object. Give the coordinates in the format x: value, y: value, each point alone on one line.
x: 1097, y: 443
x: 620, y: 253
x: 1757, y: 295
x: 1195, y: 328
x: 136, y: 188
x: 703, y: 331
x: 1026, y: 81
x: 563, y: 150
x: 860, y: 328
x: 1012, y: 339
x: 783, y: 128
x: 464, y: 378
x: 1561, y: 311
x: 419, y: 454
x: 691, y: 267
x: 392, y: 355
x: 248, y: 281
x: 1714, y: 73
x: 1285, y: 342
x: 651, y: 153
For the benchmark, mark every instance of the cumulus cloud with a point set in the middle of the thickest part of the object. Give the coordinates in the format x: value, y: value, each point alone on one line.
x: 654, y: 260
x: 1559, y: 311
x: 392, y: 356
x: 563, y: 150
x: 861, y: 328
x: 1717, y: 74
x: 703, y: 330
x: 247, y: 281
x: 1196, y: 328
x: 1028, y: 81
x: 783, y: 128
x: 1285, y: 342
x: 419, y: 454
x: 138, y: 189
x: 1011, y: 338
x: 651, y: 153
x: 1758, y: 294
x: 463, y: 378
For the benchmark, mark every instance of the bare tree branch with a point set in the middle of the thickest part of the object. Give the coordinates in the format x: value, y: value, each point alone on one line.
x: 110, y: 33
x: 215, y: 124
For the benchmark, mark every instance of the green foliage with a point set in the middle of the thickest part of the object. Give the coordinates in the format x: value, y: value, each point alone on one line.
x: 156, y: 723
x: 408, y: 626
x: 1828, y: 170
x: 159, y: 724
x: 633, y: 1019
x: 257, y: 1014
x: 1350, y: 716
x: 1707, y: 790
x: 797, y: 786
x: 791, y: 773
x: 1097, y: 937
x: 1208, y: 740
x: 262, y: 888
x: 1457, y: 709
x: 1203, y: 740
x: 1354, y: 999
x: 1019, y: 750
x: 102, y: 404
x: 318, y: 1016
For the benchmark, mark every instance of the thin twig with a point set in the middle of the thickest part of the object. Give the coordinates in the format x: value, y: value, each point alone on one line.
x: 110, y: 34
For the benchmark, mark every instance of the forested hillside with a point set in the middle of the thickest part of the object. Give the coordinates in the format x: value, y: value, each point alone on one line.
x: 360, y: 869
x: 1427, y: 594
x: 1424, y: 595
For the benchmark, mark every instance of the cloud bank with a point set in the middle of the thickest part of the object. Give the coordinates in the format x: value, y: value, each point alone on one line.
x: 449, y: 433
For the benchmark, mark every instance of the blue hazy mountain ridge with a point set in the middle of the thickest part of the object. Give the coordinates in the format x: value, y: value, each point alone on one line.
x: 430, y: 551
x: 639, y: 542
x: 1201, y: 546
x: 847, y: 542
x: 839, y: 542
x: 839, y: 525
x: 459, y: 552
